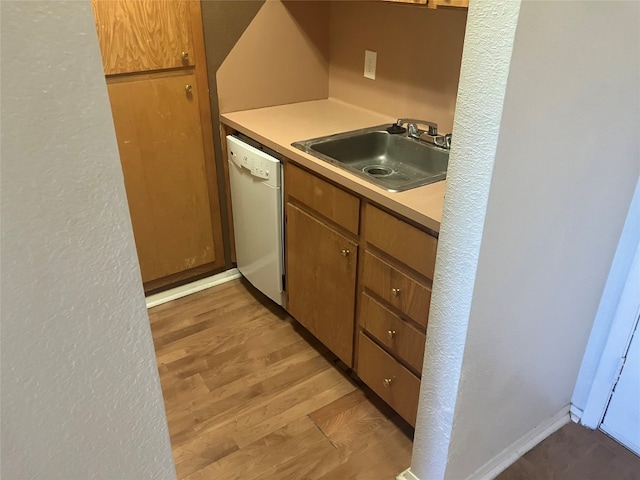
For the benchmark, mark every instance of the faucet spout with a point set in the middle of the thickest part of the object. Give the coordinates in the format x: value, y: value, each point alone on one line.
x: 430, y: 135
x: 414, y: 131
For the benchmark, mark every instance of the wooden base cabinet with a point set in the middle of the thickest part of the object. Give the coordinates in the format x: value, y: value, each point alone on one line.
x: 322, y: 261
x: 328, y: 242
x: 322, y: 277
x: 395, y: 294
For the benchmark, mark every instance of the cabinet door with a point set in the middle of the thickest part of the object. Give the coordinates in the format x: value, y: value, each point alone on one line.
x: 157, y: 124
x: 449, y: 3
x: 321, y: 281
x: 143, y: 35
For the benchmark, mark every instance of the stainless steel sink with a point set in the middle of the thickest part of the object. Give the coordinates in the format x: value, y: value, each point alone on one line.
x: 394, y: 162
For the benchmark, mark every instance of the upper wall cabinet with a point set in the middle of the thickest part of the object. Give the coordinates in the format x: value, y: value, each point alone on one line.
x: 436, y: 3
x: 142, y: 36
x: 448, y: 3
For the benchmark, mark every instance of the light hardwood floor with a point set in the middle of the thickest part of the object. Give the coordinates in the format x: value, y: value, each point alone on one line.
x: 250, y: 394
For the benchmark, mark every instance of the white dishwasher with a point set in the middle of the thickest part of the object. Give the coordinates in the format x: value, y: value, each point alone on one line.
x: 256, y: 202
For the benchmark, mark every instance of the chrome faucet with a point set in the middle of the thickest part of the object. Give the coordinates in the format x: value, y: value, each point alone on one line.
x: 414, y: 131
x: 431, y: 134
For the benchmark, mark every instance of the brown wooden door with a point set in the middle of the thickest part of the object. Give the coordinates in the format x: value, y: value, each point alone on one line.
x: 321, y: 281
x: 157, y: 124
x: 143, y: 35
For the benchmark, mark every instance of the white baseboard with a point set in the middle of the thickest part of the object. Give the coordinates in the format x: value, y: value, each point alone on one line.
x: 509, y: 455
x: 407, y: 475
x: 576, y: 414
x: 193, y: 287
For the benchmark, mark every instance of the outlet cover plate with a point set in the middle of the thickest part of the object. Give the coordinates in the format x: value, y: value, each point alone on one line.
x: 370, y: 59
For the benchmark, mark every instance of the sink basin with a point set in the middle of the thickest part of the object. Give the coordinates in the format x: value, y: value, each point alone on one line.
x: 393, y: 162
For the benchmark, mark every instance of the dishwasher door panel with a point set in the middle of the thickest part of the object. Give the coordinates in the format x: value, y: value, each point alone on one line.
x: 257, y: 218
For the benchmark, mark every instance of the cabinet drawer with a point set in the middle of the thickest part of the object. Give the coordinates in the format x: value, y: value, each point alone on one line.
x: 329, y: 201
x: 407, y: 244
x: 390, y: 380
x: 404, y: 341
x: 407, y: 295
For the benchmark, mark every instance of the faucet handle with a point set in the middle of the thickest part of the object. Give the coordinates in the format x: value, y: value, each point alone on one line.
x: 413, y: 123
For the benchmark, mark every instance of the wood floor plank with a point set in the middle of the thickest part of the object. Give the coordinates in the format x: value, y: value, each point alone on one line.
x: 239, y: 418
x: 381, y: 457
x: 310, y: 402
x: 164, y: 315
x: 206, y: 454
x: 210, y: 413
x: 222, y: 336
x: 250, y: 394
x: 255, y: 459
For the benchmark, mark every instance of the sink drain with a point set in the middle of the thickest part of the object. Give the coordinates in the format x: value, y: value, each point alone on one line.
x: 377, y: 171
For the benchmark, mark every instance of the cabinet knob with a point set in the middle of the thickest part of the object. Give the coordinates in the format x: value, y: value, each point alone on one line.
x: 188, y: 89
x: 345, y: 252
x: 395, y: 291
x: 185, y: 56
x: 386, y: 382
x: 391, y: 334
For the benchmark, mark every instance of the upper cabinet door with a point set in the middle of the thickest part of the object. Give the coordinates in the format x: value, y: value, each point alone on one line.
x: 143, y: 35
x: 419, y: 2
x: 449, y: 3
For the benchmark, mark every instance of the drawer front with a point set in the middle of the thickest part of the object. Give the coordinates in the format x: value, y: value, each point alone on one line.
x: 410, y: 297
x: 331, y: 202
x: 404, y: 341
x: 387, y: 378
x: 405, y: 243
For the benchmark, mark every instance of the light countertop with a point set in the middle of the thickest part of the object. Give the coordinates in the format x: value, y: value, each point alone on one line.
x: 278, y: 127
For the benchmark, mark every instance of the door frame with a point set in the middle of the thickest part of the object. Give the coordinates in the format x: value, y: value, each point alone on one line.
x: 610, y: 366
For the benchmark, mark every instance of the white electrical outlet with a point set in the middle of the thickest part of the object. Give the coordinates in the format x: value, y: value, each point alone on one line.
x: 370, y: 59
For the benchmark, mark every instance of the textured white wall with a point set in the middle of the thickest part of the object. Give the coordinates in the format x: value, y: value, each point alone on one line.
x: 80, y: 390
x: 567, y: 162
x: 483, y: 77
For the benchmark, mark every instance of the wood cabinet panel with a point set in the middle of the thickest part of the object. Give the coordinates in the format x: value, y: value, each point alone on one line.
x: 390, y: 380
x: 142, y: 35
x: 403, y: 340
x: 400, y: 240
x: 449, y: 3
x: 330, y: 201
x: 159, y: 136
x: 418, y: 2
x: 321, y: 280
x: 396, y: 288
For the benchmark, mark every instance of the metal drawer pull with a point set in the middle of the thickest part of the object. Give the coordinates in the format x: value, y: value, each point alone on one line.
x: 386, y: 382
x: 395, y: 291
x: 345, y: 252
x: 185, y: 55
x: 391, y: 334
x: 188, y: 88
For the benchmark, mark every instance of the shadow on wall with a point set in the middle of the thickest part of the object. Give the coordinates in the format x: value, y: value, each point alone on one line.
x: 262, y: 54
x: 314, y: 29
x: 223, y: 23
